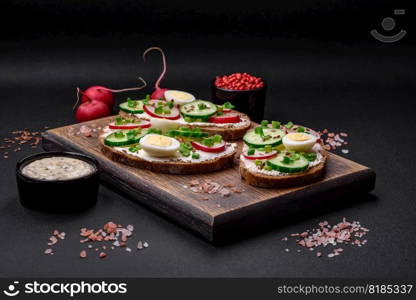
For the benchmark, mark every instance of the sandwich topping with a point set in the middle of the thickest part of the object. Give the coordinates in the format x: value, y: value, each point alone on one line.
x: 280, y: 150
x: 164, y: 143
x: 183, y: 109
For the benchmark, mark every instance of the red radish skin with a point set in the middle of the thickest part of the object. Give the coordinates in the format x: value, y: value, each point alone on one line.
x: 158, y: 93
x: 227, y: 118
x: 92, y: 110
x: 103, y: 94
x: 214, y: 149
x: 98, y: 93
x: 260, y: 156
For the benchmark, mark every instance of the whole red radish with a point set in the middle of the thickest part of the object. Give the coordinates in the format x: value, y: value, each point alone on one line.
x: 99, y: 93
x: 103, y: 94
x: 91, y: 110
x: 158, y: 93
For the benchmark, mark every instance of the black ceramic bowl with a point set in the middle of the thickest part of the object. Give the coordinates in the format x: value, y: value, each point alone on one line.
x: 58, y: 195
x: 250, y: 102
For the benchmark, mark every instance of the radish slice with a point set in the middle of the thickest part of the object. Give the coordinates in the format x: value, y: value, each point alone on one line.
x: 228, y: 118
x: 150, y: 110
x: 214, y: 149
x: 113, y: 125
x: 260, y: 155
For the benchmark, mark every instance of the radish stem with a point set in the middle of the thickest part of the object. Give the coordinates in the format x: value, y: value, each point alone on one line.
x: 129, y: 89
x: 163, y: 61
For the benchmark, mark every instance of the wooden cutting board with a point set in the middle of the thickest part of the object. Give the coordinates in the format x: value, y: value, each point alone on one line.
x: 219, y: 218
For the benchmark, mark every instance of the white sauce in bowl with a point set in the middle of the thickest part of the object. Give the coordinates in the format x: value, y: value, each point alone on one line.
x: 57, y: 168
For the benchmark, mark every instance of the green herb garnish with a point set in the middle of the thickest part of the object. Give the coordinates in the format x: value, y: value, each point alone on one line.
x: 289, y: 125
x: 159, y: 110
x: 251, y: 151
x: 264, y: 123
x: 131, y: 102
x: 275, y: 124
x: 268, y: 148
x: 310, y: 156
x: 258, y: 162
x: 131, y: 134
x: 228, y: 105
x: 134, y: 149
x: 217, y: 138
x: 195, y: 155
x: 301, y: 129
x: 202, y: 106
x: 259, y: 131
x: 119, y: 134
x: 286, y: 160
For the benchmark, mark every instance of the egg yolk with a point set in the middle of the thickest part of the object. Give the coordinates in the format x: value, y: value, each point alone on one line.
x: 180, y: 95
x: 158, y: 140
x: 298, y: 137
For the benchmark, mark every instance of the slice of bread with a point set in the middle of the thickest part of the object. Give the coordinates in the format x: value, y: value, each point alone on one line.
x: 228, y: 132
x: 268, y: 181
x: 170, y: 167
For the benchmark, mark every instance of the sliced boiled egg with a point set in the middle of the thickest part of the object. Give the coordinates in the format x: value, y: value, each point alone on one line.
x: 158, y: 145
x: 299, y: 141
x: 163, y: 124
x: 179, y: 97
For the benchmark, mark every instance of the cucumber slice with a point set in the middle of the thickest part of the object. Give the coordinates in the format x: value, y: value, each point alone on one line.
x: 124, y: 137
x: 198, y: 109
x: 137, y: 108
x: 294, y: 166
x: 275, y: 136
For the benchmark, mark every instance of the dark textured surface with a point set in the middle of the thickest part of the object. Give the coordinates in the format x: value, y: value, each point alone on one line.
x: 364, y: 88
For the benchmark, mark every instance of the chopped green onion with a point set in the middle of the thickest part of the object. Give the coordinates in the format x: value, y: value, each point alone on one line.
x: 195, y: 155
x: 251, y: 151
x: 268, y: 148
x: 166, y: 111
x: 289, y: 125
x: 188, y: 119
x: 275, y: 124
x: 160, y: 103
x: 217, y: 138
x: 131, y: 134
x: 170, y: 104
x: 258, y: 162
x: 220, y: 113
x: 118, y: 121
x: 268, y: 168
x: 131, y: 102
x: 202, y: 106
x: 154, y: 130
x: 159, y: 110
x: 119, y: 134
x: 209, y: 142
x: 264, y: 123
x: 228, y: 105
x: 301, y: 129
x: 259, y: 130
x: 286, y: 160
x: 147, y: 97
x: 135, y: 148
x: 310, y: 156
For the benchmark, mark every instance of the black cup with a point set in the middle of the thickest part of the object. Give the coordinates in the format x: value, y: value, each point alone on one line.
x: 58, y: 195
x: 250, y: 102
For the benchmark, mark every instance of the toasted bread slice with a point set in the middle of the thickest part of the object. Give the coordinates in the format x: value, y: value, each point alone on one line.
x: 170, y: 167
x: 269, y: 181
x: 228, y: 132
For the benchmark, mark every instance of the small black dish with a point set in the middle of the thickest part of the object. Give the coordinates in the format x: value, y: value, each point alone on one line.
x: 250, y: 102
x: 58, y: 195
